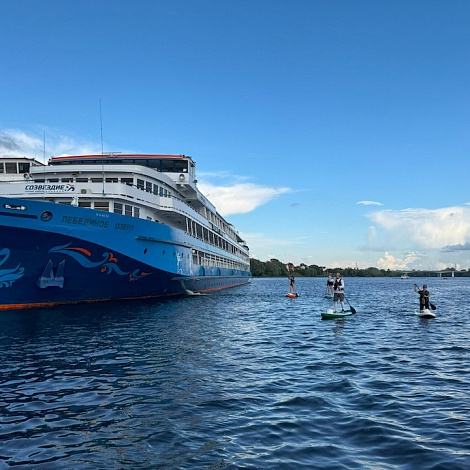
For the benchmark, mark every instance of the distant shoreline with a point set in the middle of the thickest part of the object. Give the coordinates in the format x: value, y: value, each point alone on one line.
x: 417, y: 276
x: 276, y: 268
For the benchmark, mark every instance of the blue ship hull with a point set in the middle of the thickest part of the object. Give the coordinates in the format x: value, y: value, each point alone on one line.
x: 56, y: 254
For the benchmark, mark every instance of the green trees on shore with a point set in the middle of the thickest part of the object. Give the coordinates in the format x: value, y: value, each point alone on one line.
x: 275, y: 268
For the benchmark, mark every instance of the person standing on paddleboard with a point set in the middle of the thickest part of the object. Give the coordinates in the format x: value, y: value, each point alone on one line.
x: 292, y: 285
x: 423, y: 297
x: 339, y: 292
x: 330, y: 285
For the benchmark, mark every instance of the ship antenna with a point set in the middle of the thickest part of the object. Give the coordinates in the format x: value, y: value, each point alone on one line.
x: 102, y: 149
x: 101, y: 129
x: 44, y: 157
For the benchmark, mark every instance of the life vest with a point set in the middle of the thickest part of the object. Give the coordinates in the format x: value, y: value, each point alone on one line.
x: 423, y: 295
x: 338, y: 283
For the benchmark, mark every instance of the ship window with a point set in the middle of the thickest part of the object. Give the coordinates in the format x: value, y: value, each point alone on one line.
x: 136, y: 212
x: 154, y: 163
x: 128, y: 210
x: 10, y: 167
x: 67, y: 180
x: 167, y: 165
x: 53, y: 180
x: 39, y: 180
x: 82, y: 180
x: 181, y: 166
x: 97, y: 180
x: 102, y: 206
x: 129, y: 181
x: 161, y: 191
x: 2, y: 168
x: 155, y: 189
x: 46, y: 216
x: 111, y: 180
x: 118, y: 208
x: 140, y: 183
x: 23, y: 167
x: 15, y: 207
x: 148, y: 186
x: 84, y: 204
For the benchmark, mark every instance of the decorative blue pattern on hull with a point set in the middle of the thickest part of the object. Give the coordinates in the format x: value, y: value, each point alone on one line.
x: 8, y: 276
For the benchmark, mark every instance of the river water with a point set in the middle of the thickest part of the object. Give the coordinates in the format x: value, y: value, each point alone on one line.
x: 244, y: 378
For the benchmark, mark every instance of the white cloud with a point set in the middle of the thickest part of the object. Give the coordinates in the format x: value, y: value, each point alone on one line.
x: 239, y: 198
x: 444, y: 234
x: 421, y: 228
x: 390, y: 262
x: 369, y: 203
x: 16, y: 143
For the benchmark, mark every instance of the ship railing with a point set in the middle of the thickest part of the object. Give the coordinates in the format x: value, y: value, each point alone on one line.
x: 170, y: 203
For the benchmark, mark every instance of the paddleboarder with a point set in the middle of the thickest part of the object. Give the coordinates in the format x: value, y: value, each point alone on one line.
x: 423, y: 297
x: 330, y: 283
x: 292, y: 285
x: 338, y: 292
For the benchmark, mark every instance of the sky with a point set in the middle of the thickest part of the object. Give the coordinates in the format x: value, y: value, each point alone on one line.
x: 329, y: 132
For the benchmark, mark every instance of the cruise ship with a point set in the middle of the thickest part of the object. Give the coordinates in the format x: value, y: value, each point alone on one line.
x: 93, y: 228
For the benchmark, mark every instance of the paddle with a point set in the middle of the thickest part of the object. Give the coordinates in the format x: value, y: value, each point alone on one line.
x: 353, y: 310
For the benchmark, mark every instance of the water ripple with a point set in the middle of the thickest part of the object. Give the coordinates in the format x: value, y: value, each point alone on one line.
x: 244, y: 378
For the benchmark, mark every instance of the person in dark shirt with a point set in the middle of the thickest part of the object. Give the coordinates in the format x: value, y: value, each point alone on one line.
x: 423, y: 297
x: 292, y: 285
x: 339, y: 292
x: 330, y: 282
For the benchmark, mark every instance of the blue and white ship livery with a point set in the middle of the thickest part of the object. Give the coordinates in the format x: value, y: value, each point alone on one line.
x: 107, y: 227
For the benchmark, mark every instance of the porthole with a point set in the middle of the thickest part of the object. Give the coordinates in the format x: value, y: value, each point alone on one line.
x: 46, y: 216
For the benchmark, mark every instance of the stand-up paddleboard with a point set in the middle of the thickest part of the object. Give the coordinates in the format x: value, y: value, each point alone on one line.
x: 290, y: 294
x: 425, y: 313
x: 331, y: 314
x: 328, y: 296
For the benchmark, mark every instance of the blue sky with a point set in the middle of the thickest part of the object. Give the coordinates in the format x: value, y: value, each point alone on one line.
x: 330, y: 132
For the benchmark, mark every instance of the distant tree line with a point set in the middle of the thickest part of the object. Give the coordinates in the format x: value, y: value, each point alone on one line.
x: 275, y: 268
